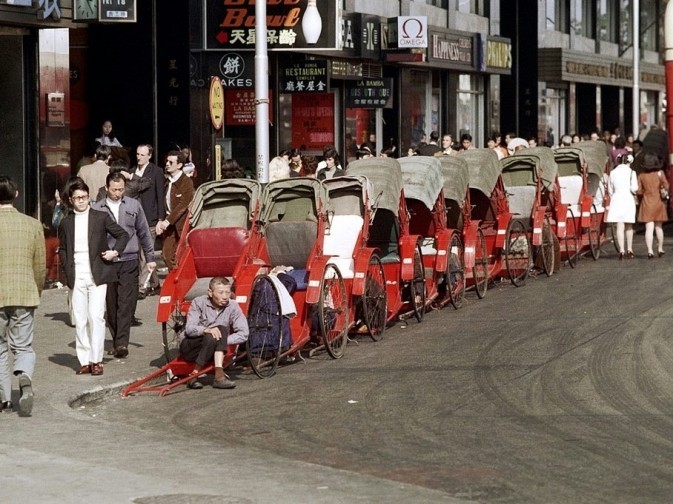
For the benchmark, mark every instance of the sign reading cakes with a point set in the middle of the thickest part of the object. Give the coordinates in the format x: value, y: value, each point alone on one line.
x: 291, y: 24
x: 369, y: 93
x: 305, y: 76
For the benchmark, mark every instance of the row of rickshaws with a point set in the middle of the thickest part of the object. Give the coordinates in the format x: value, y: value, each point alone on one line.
x: 316, y: 264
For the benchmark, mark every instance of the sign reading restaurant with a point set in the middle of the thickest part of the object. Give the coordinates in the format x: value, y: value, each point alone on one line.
x: 304, y: 76
x: 230, y: 24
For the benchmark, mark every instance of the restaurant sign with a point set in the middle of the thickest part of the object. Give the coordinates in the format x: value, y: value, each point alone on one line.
x: 291, y: 24
x: 369, y: 93
x: 304, y: 76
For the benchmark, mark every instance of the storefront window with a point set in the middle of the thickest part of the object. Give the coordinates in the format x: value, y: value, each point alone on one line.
x: 470, y: 108
x: 557, y: 15
x: 552, y: 116
x: 649, y: 28
x: 583, y: 22
x: 469, y: 6
x: 414, y: 121
x: 608, y: 20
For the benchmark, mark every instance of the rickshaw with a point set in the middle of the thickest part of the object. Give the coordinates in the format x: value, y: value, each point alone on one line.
x: 583, y: 170
x: 399, y: 251
x: 345, y: 242
x: 456, y: 180
x: 442, y: 248
x: 222, y: 236
x: 311, y: 308
x: 531, y: 183
x: 500, y: 238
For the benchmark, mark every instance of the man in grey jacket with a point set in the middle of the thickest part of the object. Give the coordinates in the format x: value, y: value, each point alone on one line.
x: 122, y: 296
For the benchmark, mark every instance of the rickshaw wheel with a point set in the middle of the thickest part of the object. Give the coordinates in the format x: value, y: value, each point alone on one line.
x: 547, y: 247
x: 571, y: 242
x: 333, y: 311
x: 594, y: 234
x: 374, y: 302
x: 455, y: 271
x: 416, y: 288
x: 480, y: 269
x: 265, y: 323
x: 170, y: 330
x: 518, y: 253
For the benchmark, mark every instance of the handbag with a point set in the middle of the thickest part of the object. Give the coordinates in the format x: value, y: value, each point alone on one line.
x: 663, y: 192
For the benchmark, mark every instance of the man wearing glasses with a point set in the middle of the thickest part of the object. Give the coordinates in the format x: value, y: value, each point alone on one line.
x: 179, y: 194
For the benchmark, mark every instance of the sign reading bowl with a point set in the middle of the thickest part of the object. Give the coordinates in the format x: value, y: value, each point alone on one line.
x: 216, y: 103
x: 408, y: 31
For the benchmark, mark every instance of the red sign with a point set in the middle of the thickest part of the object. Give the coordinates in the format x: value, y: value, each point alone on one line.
x: 312, y: 120
x: 240, y: 107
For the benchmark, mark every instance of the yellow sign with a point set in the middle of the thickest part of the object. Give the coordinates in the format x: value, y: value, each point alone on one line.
x: 216, y: 103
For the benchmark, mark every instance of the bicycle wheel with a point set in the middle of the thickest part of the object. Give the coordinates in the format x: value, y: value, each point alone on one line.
x: 480, y: 269
x: 374, y: 301
x: 547, y: 247
x: 170, y: 330
x: 571, y: 241
x: 265, y: 323
x: 333, y: 311
x: 594, y: 234
x: 455, y: 271
x: 518, y: 253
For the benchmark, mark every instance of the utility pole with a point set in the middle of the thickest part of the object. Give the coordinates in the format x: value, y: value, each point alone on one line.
x: 261, y: 94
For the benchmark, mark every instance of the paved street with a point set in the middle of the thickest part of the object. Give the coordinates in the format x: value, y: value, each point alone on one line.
x: 560, y: 391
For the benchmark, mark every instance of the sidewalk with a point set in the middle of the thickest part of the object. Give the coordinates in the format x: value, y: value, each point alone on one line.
x: 65, y: 454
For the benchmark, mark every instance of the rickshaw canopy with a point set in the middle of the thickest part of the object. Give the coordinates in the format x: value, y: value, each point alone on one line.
x: 456, y: 175
x: 348, y: 195
x: 484, y: 168
x: 225, y: 203
x: 538, y: 160
x: 422, y: 178
x: 385, y: 176
x: 294, y: 199
x: 590, y: 152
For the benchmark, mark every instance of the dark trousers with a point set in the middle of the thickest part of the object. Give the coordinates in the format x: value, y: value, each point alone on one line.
x: 201, y: 349
x: 120, y: 301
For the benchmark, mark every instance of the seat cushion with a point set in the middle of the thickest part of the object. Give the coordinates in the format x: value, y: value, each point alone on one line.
x: 217, y: 250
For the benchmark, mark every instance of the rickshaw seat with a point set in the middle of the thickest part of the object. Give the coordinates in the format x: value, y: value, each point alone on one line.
x: 521, y: 199
x: 217, y: 250
x: 571, y: 189
x: 290, y: 243
x: 340, y: 242
x: 384, y: 234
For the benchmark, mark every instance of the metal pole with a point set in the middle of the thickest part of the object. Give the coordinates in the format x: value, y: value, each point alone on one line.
x: 668, y: 58
x: 261, y: 94
x: 636, y: 69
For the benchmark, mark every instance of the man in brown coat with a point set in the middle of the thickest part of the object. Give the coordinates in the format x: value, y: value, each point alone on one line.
x: 94, y: 174
x: 22, y: 275
x: 179, y: 194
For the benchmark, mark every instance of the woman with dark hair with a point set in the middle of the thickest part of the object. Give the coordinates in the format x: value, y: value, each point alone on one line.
x: 89, y: 264
x: 652, y: 209
x: 331, y: 165
x: 108, y: 136
x: 309, y: 165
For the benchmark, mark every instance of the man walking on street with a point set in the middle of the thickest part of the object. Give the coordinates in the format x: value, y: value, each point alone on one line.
x: 121, y: 296
x: 94, y: 174
x: 22, y: 275
x: 152, y: 202
x: 178, y: 196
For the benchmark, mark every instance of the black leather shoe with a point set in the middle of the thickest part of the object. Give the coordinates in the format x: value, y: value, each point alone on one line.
x: 153, y: 291
x: 121, y: 352
x: 224, y: 383
x: 194, y: 385
x: 141, y: 295
x: 135, y: 322
x: 6, y: 407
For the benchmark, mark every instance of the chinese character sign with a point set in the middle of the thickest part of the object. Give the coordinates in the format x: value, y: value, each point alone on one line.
x: 291, y: 24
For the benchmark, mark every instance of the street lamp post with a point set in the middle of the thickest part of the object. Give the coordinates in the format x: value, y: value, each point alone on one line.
x: 261, y: 94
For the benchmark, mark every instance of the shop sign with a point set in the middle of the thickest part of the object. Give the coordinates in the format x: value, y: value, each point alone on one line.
x: 313, y: 121
x: 117, y: 11
x: 236, y: 70
x: 361, y: 35
x: 369, y: 93
x: 407, y: 32
x: 45, y: 8
x: 453, y: 48
x: 240, y: 108
x: 498, y: 54
x: 291, y: 24
x: 305, y: 76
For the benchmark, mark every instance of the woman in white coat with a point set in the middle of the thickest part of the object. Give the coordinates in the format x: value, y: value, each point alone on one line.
x: 622, y: 186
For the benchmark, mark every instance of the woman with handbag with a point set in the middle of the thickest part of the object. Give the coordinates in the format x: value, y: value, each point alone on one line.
x: 622, y: 187
x: 653, y: 189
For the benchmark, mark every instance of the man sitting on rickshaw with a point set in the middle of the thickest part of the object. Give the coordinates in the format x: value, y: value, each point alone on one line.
x: 213, y: 322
